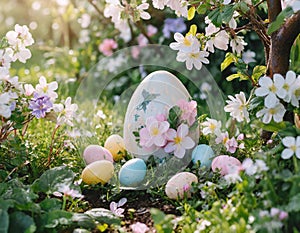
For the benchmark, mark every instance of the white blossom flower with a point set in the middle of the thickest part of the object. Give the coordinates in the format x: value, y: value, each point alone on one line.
x: 20, y: 37
x: 232, y: 178
x: 252, y: 168
x: 210, y: 29
x: 19, y: 53
x: 293, y: 147
x: 205, y: 89
x: 47, y: 88
x: 193, y: 59
x: 237, y: 44
x: 5, y: 59
x: 186, y: 44
x: 271, y: 88
x: 277, y: 112
x: 101, y: 114
x: 5, y: 109
x: 159, y: 4
x: 289, y: 84
x: 141, y: 9
x: 179, y: 6
x: 28, y: 89
x: 85, y: 20
x: 66, y: 112
x: 237, y: 107
x: 248, y: 56
x: 295, y: 92
x: 18, y: 40
x: 220, y: 41
x: 211, y: 126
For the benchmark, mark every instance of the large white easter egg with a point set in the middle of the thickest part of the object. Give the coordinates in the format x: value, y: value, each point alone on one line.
x: 179, y: 185
x: 154, y: 96
x: 94, y: 153
x: 133, y: 172
x: 98, y: 172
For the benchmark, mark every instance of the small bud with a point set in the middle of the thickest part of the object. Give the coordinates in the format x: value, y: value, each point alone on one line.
x: 297, y: 120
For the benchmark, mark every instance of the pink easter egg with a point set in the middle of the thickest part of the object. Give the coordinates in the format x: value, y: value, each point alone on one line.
x: 94, y: 153
x: 226, y: 164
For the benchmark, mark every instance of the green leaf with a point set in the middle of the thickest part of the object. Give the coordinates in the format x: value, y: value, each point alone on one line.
x: 162, y: 222
x: 55, y: 218
x: 103, y: 216
x: 4, y: 220
x: 274, y: 26
x: 242, y: 6
x: 294, y: 204
x: 174, y: 114
x: 232, y: 77
x: 20, y: 222
x: 272, y: 126
x: 295, y: 56
x: 201, y: 9
x: 227, y: 13
x: 84, y: 220
x: 50, y: 204
x: 215, y: 17
x: 229, y: 58
x: 258, y: 71
x: 52, y: 179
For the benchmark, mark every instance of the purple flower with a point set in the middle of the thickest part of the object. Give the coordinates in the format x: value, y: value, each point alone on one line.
x: 173, y: 25
x: 40, y: 105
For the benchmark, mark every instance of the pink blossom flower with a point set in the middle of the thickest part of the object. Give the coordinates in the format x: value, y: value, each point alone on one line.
x: 135, y: 52
x: 161, y: 117
x: 66, y: 191
x: 114, y: 207
x: 179, y: 141
x: 139, y: 227
x: 189, y: 110
x: 151, y: 30
x: 186, y: 188
x: 154, y: 133
x: 230, y: 143
x: 107, y: 46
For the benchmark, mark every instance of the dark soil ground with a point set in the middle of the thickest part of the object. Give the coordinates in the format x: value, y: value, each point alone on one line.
x: 137, y: 208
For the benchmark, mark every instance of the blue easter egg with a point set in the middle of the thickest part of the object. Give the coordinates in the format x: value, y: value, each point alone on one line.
x: 204, y: 154
x: 132, y: 172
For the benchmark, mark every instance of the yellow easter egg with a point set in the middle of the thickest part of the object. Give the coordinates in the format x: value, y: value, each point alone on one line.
x: 115, y: 144
x: 100, y: 171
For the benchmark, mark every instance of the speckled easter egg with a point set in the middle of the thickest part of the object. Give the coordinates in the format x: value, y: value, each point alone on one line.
x: 98, y: 172
x: 94, y: 153
x: 115, y: 144
x: 226, y: 164
x: 180, y: 184
x: 133, y: 172
x: 154, y: 96
x: 204, y: 154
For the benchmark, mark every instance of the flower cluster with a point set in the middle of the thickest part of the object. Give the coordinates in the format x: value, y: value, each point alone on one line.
x: 193, y: 48
x: 19, y: 98
x: 273, y: 90
x: 121, y: 12
x: 171, y: 132
x: 213, y: 127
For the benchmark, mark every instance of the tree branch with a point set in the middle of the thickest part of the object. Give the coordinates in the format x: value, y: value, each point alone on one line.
x: 274, y: 8
x: 281, y: 43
